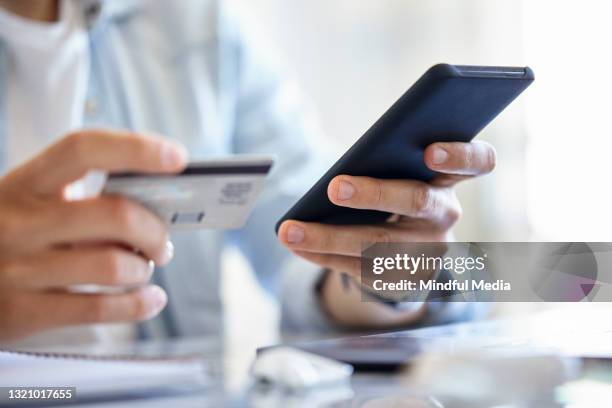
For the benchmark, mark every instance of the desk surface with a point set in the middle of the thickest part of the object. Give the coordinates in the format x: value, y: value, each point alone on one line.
x: 231, y: 384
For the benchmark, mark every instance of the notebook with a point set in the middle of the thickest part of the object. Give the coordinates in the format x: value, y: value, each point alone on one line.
x: 103, y: 377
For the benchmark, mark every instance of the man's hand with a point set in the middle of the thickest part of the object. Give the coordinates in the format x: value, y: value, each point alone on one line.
x: 422, y: 212
x: 48, y: 243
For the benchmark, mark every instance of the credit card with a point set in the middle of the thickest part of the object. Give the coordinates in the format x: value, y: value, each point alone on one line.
x: 213, y: 194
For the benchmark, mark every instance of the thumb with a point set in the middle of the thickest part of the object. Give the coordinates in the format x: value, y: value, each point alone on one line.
x: 108, y: 150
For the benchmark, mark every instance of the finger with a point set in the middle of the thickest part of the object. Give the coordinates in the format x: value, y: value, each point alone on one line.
x: 468, y: 159
x: 330, y: 239
x: 338, y: 263
x: 345, y: 240
x: 410, y: 198
x: 45, y: 310
x: 60, y: 268
x: 109, y: 219
x: 448, y: 180
x: 70, y: 158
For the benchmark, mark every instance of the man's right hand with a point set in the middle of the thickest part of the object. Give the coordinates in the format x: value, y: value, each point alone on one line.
x: 48, y: 243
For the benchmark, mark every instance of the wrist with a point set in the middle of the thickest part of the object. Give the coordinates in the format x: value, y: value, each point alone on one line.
x: 342, y: 300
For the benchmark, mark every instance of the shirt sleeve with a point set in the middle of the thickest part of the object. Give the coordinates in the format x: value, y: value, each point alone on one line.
x: 271, y: 118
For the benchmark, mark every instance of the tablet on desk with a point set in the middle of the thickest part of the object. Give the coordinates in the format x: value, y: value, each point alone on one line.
x: 589, y: 339
x: 369, y: 353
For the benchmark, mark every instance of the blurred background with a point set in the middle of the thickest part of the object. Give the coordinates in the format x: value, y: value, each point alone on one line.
x: 353, y: 59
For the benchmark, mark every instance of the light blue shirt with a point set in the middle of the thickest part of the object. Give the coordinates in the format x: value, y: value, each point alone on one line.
x: 185, y: 69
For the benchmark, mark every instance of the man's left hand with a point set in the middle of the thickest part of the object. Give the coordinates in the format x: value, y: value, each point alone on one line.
x: 422, y: 212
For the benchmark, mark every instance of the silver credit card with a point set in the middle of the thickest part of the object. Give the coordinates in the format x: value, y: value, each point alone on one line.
x: 212, y: 194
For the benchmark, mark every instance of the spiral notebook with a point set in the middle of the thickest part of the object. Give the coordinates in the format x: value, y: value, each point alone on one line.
x: 102, y: 377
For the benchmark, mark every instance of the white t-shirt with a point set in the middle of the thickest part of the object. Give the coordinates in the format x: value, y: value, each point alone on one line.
x: 47, y: 86
x: 48, y: 72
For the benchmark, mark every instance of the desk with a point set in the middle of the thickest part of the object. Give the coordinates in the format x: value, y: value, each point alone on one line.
x: 231, y: 384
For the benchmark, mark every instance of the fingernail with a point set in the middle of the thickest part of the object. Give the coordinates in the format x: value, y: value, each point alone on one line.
x: 169, y: 254
x: 150, y: 268
x: 345, y: 190
x: 439, y: 155
x: 173, y: 155
x: 158, y: 298
x: 295, y: 234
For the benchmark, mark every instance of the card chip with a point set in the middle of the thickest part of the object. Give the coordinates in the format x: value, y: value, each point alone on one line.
x: 188, y: 218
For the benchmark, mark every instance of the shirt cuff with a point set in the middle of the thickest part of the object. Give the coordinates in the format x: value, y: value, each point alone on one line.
x: 302, y: 310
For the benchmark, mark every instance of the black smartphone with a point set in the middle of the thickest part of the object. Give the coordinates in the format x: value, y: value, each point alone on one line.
x: 449, y: 103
